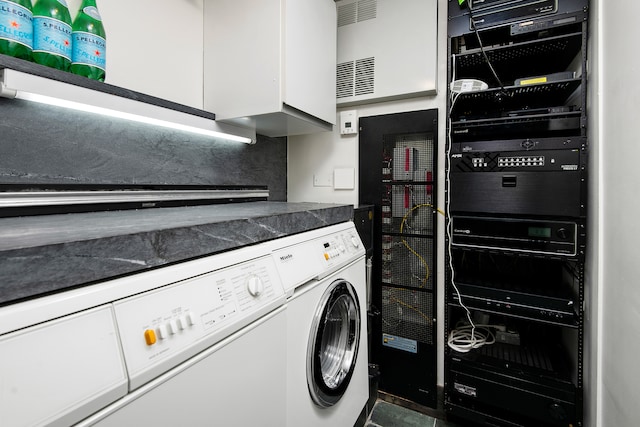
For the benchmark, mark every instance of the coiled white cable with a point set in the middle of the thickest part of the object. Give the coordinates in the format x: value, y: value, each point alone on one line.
x: 468, y: 337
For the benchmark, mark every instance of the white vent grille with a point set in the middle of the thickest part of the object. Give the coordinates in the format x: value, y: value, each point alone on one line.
x: 365, y: 76
x: 355, y: 77
x: 367, y: 9
x: 345, y: 79
x: 359, y: 11
x: 347, y: 14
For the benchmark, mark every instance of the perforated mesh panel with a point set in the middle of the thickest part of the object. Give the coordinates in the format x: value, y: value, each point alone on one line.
x: 408, y: 261
x: 408, y: 314
x: 407, y: 255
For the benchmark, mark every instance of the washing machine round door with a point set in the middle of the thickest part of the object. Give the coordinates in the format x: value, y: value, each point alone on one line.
x: 333, y: 343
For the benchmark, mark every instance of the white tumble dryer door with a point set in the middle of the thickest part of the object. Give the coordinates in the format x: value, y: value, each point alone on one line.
x: 333, y: 343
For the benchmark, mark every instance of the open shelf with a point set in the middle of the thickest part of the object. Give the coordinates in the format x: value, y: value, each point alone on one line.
x: 534, y: 57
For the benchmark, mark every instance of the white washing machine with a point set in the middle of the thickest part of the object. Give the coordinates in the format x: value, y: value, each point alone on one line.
x: 198, y: 344
x: 327, y: 367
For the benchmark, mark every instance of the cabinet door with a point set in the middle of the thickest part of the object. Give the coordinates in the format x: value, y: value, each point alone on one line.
x: 397, y: 164
x: 242, y: 52
x: 154, y: 47
x: 310, y: 57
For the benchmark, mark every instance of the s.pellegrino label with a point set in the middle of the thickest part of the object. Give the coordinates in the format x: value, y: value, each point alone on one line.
x: 89, y: 57
x: 16, y: 23
x: 89, y: 49
x: 52, y: 36
x: 16, y: 28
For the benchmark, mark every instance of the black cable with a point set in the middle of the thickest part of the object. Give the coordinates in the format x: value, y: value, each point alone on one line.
x: 484, y: 54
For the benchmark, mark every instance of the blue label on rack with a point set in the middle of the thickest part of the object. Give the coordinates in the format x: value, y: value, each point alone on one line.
x: 16, y: 23
x: 89, y: 49
x: 52, y: 36
x: 400, y: 343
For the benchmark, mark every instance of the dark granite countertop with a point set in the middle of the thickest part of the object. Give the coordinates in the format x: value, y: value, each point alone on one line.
x: 45, y: 254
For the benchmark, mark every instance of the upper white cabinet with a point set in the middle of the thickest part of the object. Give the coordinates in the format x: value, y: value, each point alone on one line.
x: 154, y: 47
x: 271, y: 64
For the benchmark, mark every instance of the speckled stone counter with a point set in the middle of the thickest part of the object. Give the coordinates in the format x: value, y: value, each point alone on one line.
x: 45, y: 254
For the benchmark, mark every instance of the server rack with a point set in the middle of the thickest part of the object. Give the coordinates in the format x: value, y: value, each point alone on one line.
x: 516, y: 197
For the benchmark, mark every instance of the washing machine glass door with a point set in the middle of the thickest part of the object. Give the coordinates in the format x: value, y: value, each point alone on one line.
x: 333, y: 343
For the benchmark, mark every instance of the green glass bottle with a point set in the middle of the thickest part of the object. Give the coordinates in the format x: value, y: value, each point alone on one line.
x: 89, y: 43
x: 52, y: 34
x: 16, y: 28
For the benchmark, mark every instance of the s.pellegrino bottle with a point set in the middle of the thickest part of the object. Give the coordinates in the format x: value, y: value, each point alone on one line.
x: 52, y: 34
x: 89, y: 43
x: 16, y: 28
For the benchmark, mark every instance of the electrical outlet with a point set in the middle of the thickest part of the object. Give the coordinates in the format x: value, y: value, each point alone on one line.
x: 322, y: 180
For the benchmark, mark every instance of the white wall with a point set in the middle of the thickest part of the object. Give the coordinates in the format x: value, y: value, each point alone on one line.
x: 319, y: 154
x: 617, y: 70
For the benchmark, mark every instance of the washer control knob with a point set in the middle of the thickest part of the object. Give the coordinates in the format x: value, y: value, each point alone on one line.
x: 355, y: 242
x: 255, y: 286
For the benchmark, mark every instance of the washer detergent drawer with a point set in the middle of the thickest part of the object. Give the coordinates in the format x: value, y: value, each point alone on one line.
x: 61, y: 371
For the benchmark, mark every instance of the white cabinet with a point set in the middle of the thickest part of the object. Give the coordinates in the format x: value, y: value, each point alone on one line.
x: 271, y: 64
x: 154, y: 47
x: 387, y: 49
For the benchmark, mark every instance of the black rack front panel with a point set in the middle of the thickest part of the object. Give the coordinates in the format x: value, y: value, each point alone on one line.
x: 517, y: 199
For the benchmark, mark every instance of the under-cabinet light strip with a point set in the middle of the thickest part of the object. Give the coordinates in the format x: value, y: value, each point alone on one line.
x: 27, y: 87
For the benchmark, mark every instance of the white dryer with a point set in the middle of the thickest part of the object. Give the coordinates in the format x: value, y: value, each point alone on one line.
x: 323, y: 274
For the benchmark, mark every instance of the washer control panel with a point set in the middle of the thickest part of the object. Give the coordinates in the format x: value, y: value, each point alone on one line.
x: 337, y: 247
x: 161, y: 328
x: 320, y: 255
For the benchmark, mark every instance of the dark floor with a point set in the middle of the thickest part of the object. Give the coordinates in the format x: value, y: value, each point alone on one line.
x: 387, y: 414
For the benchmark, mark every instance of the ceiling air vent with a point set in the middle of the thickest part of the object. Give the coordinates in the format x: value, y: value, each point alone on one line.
x: 359, y: 11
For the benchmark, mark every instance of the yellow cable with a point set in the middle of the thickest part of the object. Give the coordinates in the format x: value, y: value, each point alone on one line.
x: 426, y: 266
x: 404, y: 242
x: 409, y: 306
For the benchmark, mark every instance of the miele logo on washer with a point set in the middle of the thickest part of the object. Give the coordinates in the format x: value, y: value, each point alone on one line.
x: 286, y: 258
